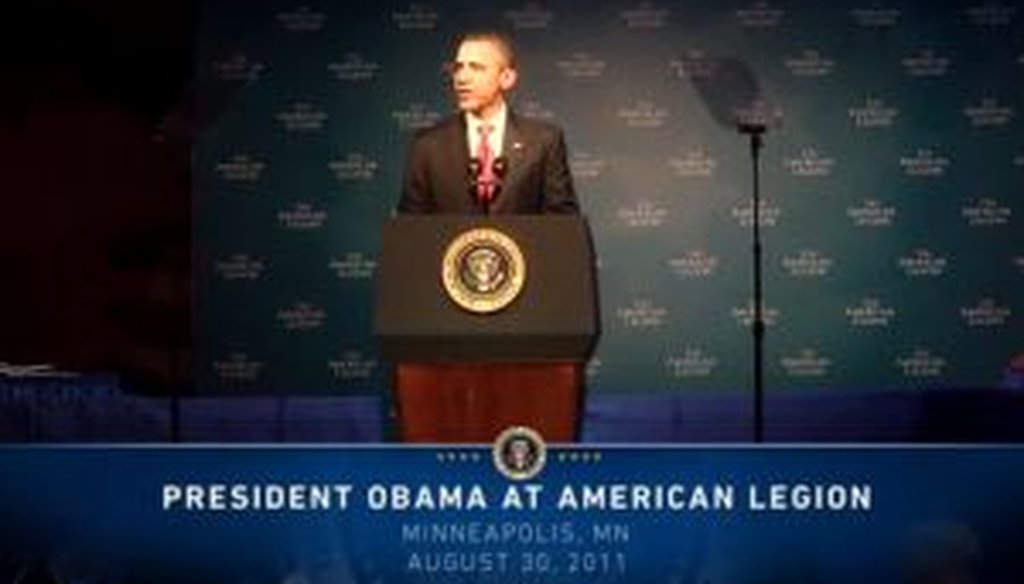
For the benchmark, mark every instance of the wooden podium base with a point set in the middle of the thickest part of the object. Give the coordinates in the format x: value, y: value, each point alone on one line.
x: 474, y: 402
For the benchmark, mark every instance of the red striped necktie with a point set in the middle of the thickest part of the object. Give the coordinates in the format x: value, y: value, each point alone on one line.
x: 485, y: 185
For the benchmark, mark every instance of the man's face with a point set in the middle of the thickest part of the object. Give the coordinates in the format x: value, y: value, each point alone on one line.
x: 480, y: 76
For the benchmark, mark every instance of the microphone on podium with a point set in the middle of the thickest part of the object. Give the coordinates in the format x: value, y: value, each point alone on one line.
x: 485, y: 186
x: 473, y: 168
x: 499, y: 170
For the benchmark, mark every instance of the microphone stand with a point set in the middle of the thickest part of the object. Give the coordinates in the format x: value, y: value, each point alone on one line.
x: 756, y: 133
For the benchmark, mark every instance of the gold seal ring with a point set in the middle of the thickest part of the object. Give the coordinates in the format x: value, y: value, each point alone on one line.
x: 519, y: 453
x: 483, y: 270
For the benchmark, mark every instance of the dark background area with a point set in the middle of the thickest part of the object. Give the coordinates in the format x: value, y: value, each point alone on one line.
x: 95, y: 149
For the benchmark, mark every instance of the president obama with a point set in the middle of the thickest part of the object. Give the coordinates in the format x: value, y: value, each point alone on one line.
x: 486, y: 159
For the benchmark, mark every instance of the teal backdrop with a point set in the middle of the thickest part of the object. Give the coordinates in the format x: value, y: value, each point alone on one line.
x: 893, y: 175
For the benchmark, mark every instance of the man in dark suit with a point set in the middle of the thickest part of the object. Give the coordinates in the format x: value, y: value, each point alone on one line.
x: 487, y: 159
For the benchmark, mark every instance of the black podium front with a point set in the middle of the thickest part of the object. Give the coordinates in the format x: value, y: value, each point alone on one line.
x: 464, y: 376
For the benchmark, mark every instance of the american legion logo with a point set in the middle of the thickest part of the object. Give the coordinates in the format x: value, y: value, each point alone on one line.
x: 483, y: 270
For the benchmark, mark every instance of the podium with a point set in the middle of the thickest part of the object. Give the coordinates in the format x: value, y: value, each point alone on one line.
x: 464, y: 374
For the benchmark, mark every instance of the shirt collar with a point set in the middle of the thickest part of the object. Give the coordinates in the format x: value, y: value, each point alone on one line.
x: 497, y: 122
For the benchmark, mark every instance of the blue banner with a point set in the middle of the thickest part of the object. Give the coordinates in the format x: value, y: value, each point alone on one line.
x: 432, y: 514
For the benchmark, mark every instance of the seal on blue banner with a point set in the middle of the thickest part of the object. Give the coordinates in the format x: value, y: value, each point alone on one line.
x: 519, y: 453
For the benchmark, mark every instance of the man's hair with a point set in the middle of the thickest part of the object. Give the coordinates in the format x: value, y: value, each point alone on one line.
x: 500, y: 40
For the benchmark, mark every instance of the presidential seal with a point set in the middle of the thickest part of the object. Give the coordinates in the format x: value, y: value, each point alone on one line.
x: 519, y: 453
x: 483, y: 270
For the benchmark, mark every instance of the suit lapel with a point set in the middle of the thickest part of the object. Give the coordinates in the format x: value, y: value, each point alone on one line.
x: 460, y: 163
x: 513, y: 149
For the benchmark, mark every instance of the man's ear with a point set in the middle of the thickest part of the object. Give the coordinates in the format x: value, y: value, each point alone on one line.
x: 508, y: 78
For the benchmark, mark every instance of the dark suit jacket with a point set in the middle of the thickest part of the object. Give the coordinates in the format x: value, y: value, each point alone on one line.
x: 537, y: 178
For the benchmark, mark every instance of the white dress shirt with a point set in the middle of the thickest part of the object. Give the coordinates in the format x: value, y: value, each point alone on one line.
x: 497, y: 135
